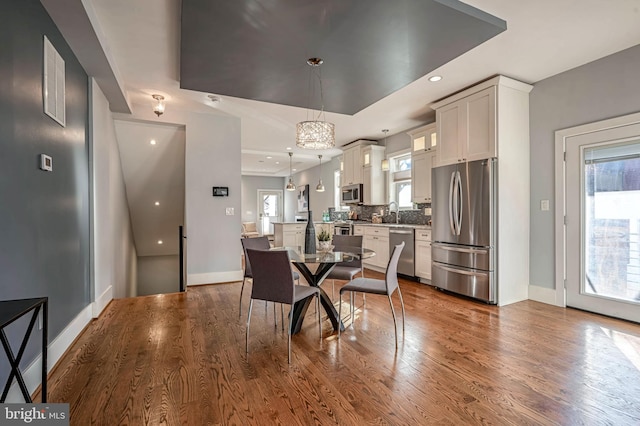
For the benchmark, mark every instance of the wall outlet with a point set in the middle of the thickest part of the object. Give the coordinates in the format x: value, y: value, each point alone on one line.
x: 544, y: 205
x: 427, y: 211
x: 229, y: 211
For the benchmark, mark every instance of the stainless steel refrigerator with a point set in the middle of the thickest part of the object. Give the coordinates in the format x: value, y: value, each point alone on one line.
x: 464, y: 229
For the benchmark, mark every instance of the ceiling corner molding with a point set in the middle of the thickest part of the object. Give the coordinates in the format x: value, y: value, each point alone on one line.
x: 77, y: 21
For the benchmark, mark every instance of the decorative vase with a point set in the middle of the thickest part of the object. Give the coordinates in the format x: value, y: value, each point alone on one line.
x: 310, y: 237
x: 324, y: 245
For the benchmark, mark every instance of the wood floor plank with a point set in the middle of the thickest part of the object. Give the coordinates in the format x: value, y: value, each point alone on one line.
x: 179, y: 359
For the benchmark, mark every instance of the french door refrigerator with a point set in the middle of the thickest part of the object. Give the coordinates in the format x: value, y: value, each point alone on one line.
x: 464, y: 229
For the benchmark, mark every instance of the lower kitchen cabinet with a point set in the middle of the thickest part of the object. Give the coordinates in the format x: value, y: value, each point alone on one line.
x: 289, y: 234
x: 376, y: 238
x: 423, y: 254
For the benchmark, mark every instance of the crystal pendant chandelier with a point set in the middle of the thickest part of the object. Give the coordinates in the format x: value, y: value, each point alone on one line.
x: 317, y: 133
x: 290, y: 185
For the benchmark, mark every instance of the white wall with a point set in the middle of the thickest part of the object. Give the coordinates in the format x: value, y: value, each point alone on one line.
x: 158, y: 275
x: 318, y: 201
x: 114, y: 248
x: 250, y: 187
x: 606, y: 88
x: 212, y: 158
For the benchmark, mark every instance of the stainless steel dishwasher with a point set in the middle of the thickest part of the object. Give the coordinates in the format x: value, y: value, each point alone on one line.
x: 396, y: 236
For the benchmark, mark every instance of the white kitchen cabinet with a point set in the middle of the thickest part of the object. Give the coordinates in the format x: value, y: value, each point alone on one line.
x: 424, y: 138
x: 373, y: 189
x: 352, y: 161
x: 289, y: 234
x: 423, y: 253
x: 424, y: 143
x: 352, y: 167
x: 376, y: 238
x: 358, y: 230
x: 466, y: 128
x: 421, y: 165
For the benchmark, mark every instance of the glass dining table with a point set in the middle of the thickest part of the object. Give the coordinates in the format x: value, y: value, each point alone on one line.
x: 315, y: 268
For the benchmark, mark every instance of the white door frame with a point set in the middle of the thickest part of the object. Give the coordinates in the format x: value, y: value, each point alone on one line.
x: 560, y: 196
x: 259, y: 205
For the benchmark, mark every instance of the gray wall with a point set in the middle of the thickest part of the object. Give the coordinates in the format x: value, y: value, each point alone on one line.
x: 250, y: 187
x: 606, y: 88
x: 318, y: 201
x: 44, y: 216
x: 158, y: 275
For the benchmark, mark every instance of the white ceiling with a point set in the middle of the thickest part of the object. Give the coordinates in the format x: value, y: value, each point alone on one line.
x: 140, y: 41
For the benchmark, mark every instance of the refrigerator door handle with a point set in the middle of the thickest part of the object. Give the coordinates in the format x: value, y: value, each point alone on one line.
x: 458, y: 203
x: 460, y: 271
x: 459, y: 249
x: 451, y: 206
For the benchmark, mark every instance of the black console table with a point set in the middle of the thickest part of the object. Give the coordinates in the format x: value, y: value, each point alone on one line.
x: 11, y: 310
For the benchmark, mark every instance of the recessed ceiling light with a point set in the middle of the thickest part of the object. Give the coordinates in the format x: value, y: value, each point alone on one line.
x: 277, y: 162
x: 152, y: 141
x: 294, y: 169
x: 269, y: 157
x: 157, y: 203
x: 288, y: 148
x: 435, y: 78
x: 159, y: 241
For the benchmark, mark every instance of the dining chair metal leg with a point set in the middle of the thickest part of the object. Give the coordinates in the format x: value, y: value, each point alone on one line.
x: 289, y: 334
x: 248, y: 323
x: 402, y: 304
x: 282, y: 315
x: 339, y: 313
x: 353, y: 308
x: 241, y: 291
x: 275, y: 316
x: 395, y: 326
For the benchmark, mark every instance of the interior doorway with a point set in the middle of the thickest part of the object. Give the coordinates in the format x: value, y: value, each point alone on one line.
x: 270, y: 209
x: 602, y: 226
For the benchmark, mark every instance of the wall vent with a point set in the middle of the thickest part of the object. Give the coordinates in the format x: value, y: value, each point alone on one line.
x: 53, y: 83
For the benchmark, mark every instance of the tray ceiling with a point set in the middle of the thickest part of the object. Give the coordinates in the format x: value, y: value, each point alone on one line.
x: 371, y: 48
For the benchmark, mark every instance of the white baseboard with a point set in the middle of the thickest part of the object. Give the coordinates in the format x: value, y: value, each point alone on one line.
x: 102, y: 301
x: 214, y: 277
x: 33, y: 373
x: 543, y: 295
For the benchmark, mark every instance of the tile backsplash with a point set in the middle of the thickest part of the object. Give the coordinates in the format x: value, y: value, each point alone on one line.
x: 412, y: 217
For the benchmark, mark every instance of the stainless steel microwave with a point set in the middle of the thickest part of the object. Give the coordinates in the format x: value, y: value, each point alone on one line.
x: 352, y: 194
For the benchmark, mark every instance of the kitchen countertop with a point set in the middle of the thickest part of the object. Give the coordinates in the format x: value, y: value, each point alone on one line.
x: 394, y: 225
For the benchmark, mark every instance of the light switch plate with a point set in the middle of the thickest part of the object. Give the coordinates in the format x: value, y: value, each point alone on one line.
x: 229, y: 211
x: 46, y: 163
x: 544, y: 205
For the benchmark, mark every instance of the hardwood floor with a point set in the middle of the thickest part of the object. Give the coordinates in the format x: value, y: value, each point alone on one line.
x: 179, y: 359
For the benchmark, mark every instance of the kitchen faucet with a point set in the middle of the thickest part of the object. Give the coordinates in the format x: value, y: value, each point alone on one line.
x: 397, y: 211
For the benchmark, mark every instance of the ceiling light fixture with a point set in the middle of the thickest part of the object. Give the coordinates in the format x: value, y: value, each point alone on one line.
x: 290, y: 185
x: 158, y: 108
x: 435, y: 78
x: 157, y: 203
x: 320, y: 187
x: 159, y: 241
x: 152, y: 141
x: 318, y: 133
x: 385, y: 163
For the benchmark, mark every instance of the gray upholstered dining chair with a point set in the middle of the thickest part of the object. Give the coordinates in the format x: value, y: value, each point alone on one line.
x: 258, y: 243
x: 273, y: 282
x: 346, y: 270
x: 374, y: 286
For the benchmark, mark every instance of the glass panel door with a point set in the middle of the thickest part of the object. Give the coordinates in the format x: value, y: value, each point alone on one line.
x: 603, y: 222
x: 269, y: 210
x: 612, y: 221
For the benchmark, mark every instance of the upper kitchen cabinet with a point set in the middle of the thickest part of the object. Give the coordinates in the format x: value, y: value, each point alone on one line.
x: 423, y: 154
x: 372, y: 177
x: 424, y: 138
x: 472, y: 123
x: 352, y: 161
x: 467, y: 128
